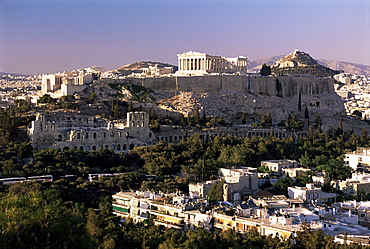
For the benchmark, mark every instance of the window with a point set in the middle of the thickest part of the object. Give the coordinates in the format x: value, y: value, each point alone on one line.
x: 86, y: 135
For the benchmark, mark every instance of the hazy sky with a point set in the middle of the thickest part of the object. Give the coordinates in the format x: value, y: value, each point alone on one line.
x: 48, y: 36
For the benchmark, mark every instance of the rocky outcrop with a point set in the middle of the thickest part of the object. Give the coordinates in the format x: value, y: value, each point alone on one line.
x: 301, y: 63
x: 230, y: 104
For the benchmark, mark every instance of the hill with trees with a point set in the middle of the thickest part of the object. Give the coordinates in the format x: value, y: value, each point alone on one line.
x: 301, y: 63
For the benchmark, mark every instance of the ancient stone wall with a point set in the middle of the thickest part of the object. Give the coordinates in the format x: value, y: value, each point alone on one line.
x: 284, y: 86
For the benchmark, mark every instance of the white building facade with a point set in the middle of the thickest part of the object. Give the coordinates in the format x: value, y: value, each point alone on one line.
x: 359, y: 159
x: 308, y: 193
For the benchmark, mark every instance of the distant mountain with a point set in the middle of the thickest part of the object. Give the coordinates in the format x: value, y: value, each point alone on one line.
x: 13, y: 74
x: 255, y: 65
x: 347, y: 67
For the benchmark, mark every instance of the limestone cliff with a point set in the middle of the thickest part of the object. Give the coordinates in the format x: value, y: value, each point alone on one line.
x: 231, y: 97
x: 229, y: 105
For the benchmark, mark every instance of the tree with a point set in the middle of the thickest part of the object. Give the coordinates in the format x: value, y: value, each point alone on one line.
x: 216, y: 193
x: 46, y: 99
x: 265, y: 70
x: 317, y: 121
x: 93, y: 97
x: 281, y: 185
x: 357, y: 114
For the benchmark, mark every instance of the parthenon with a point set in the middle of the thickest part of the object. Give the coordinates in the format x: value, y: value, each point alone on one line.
x: 196, y: 63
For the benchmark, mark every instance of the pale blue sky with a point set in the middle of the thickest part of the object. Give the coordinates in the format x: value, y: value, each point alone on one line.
x: 54, y: 35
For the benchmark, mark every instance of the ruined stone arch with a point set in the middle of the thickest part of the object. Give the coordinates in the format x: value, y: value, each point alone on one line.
x: 118, y: 147
x: 94, y: 135
x: 131, y: 147
x: 81, y: 148
x: 94, y: 147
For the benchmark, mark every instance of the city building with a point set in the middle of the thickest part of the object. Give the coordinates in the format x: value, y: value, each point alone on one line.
x: 239, y: 184
x: 358, y: 159
x: 201, y: 189
x: 358, y: 184
x: 278, y: 165
x: 196, y: 63
x: 294, y: 172
x: 275, y: 216
x: 309, y: 194
x: 72, y: 130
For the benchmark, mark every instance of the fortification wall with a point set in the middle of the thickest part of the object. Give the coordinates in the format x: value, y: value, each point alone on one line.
x: 160, y: 84
x: 284, y: 86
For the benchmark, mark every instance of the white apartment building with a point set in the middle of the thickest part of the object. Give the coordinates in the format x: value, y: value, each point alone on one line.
x: 359, y: 159
x: 239, y: 184
x: 278, y: 165
x: 308, y: 193
x: 294, y: 172
x: 358, y: 183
